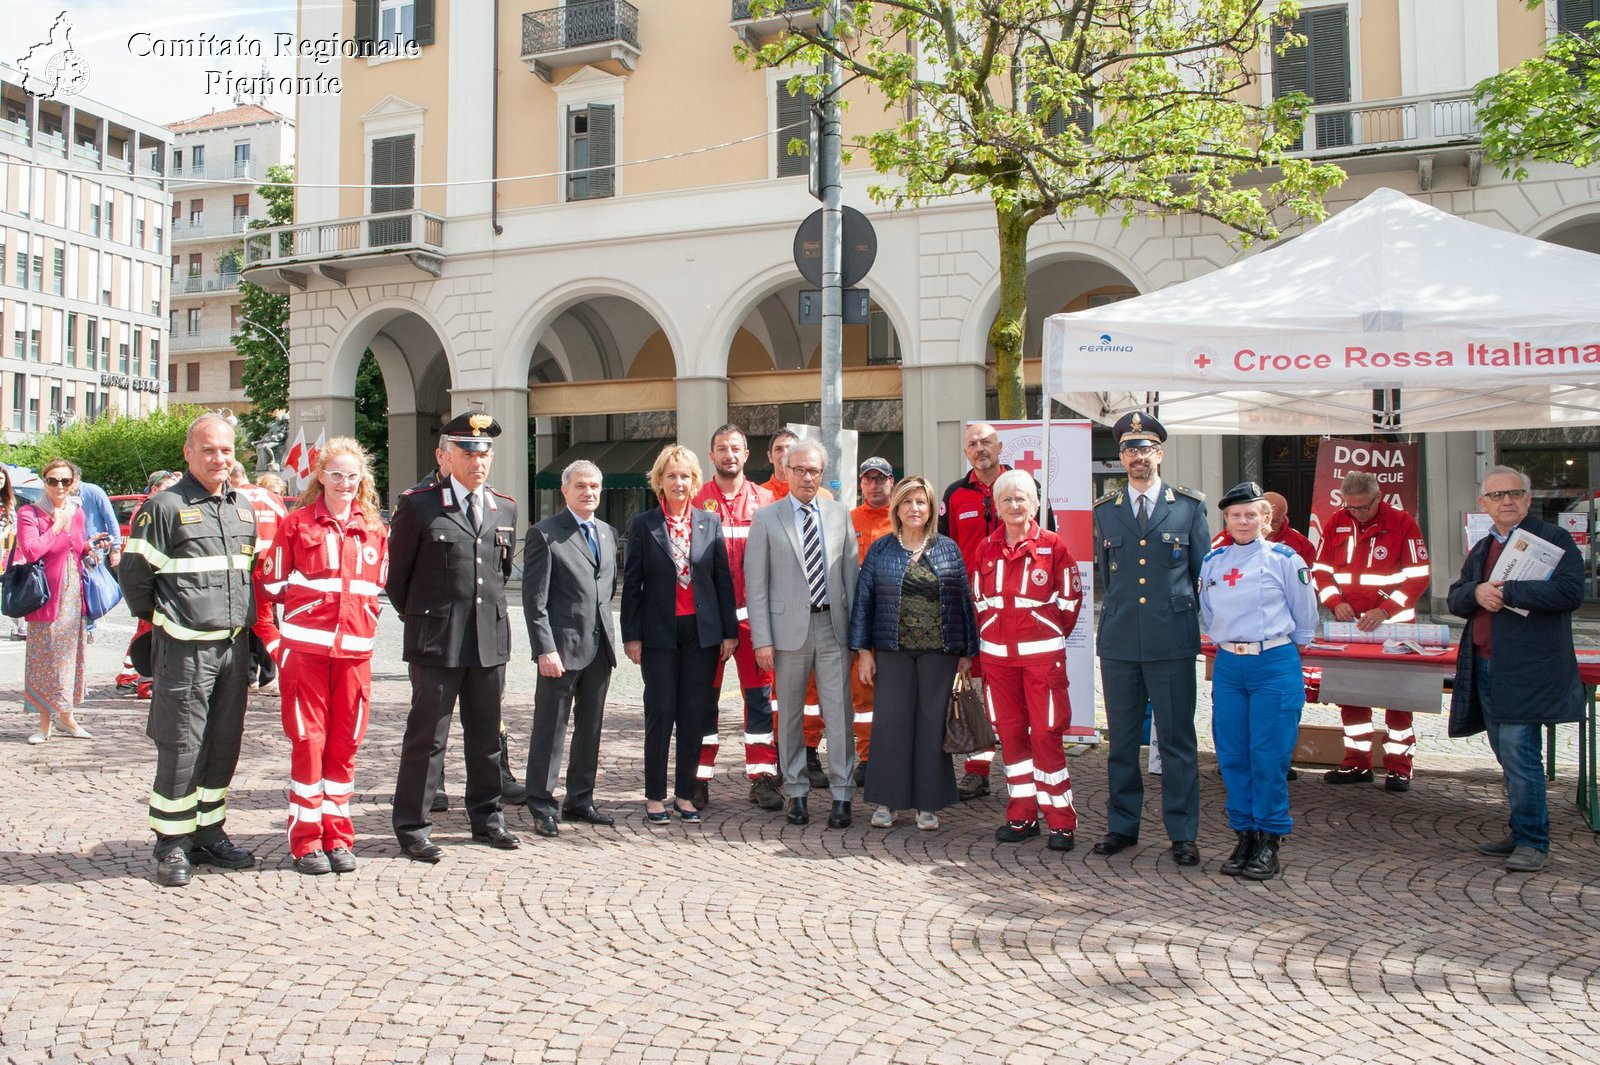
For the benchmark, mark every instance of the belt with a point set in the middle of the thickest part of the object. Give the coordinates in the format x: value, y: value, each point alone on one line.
x: 1253, y: 648
x: 820, y: 609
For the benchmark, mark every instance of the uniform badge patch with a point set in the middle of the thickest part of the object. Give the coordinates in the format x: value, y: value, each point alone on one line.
x: 1039, y: 577
x: 245, y: 513
x: 711, y: 505
x: 1305, y: 576
x: 370, y: 555
x: 1380, y: 552
x: 189, y: 517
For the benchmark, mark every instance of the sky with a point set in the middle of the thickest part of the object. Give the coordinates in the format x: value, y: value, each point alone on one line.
x: 121, y: 43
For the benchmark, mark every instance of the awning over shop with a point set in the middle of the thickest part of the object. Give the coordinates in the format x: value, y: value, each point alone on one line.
x: 1391, y: 316
x: 623, y: 463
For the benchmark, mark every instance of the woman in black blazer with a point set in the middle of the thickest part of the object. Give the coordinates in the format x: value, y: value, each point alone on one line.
x: 678, y: 617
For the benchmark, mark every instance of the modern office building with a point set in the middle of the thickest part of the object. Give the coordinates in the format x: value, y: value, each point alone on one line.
x: 216, y: 163
x: 83, y: 252
x: 580, y: 217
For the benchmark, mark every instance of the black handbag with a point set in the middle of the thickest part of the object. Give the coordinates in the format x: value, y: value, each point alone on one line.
x: 23, y: 589
x: 966, y: 726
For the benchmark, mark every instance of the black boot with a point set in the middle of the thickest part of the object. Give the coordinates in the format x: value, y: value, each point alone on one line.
x: 1263, y: 863
x: 815, y: 774
x: 1241, y: 854
x: 511, y: 793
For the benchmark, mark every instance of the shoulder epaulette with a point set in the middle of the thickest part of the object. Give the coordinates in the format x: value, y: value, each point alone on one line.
x: 1113, y: 494
x: 1285, y: 549
x: 499, y: 493
x: 425, y: 486
x: 1192, y: 493
x: 1215, y: 551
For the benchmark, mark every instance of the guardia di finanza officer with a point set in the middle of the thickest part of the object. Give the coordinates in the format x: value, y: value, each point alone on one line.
x: 1149, y: 540
x: 449, y: 559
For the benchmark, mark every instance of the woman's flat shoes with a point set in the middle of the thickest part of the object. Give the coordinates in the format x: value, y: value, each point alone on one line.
x: 73, y: 729
x: 658, y: 817
x: 688, y: 817
x: 39, y: 737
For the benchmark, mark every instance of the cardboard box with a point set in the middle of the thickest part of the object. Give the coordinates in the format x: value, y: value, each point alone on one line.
x: 1324, y: 745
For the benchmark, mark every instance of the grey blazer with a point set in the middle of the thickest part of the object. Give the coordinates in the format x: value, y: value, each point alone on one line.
x: 566, y: 594
x: 775, y: 587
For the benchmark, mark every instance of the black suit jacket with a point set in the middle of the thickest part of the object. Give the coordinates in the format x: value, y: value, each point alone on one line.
x: 566, y: 593
x: 649, y: 582
x: 445, y: 580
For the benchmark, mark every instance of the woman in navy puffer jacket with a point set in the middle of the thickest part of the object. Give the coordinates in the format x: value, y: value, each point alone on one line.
x: 913, y: 626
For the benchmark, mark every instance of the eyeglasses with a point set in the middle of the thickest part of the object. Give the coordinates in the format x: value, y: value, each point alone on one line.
x: 59, y: 482
x: 1509, y: 493
x: 342, y: 478
x: 1148, y: 449
x: 1356, y: 508
x: 804, y: 472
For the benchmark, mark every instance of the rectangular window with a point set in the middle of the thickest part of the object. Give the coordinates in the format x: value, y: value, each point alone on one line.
x: 197, y: 212
x: 19, y: 399
x: 197, y: 158
x: 1574, y: 16
x: 397, y: 22
x: 19, y: 346
x: 105, y: 351
x: 794, y: 121
x: 241, y: 159
x: 33, y: 414
x: 72, y: 339
x: 236, y: 374
x: 94, y: 219
x: 394, y: 173
x: 137, y: 349
x: 91, y: 338
x: 89, y: 405
x: 591, y: 151
x: 58, y: 271
x: 122, y: 358
x: 172, y: 377
x: 192, y: 376
x: 194, y: 320
x: 34, y: 345
x: 160, y: 237
x: 155, y: 357
x: 393, y: 21
x: 22, y: 269
x: 138, y: 232
x: 1320, y: 68
x: 38, y: 273
x: 177, y: 213
x: 177, y: 165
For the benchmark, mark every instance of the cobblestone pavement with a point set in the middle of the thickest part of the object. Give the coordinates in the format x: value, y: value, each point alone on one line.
x: 1388, y: 938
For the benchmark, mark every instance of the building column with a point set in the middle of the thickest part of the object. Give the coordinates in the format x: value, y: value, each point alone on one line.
x: 411, y: 443
x: 509, y: 407
x: 316, y: 415
x: 1449, y: 478
x: 702, y: 407
x: 939, y: 401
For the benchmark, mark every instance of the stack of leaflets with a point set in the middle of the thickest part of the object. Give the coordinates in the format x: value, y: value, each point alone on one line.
x: 1424, y: 635
x: 1526, y: 557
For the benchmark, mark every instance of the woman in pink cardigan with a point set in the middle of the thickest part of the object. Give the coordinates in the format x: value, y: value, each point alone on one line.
x: 53, y: 531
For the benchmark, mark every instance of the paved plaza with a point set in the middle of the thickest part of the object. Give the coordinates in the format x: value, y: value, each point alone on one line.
x: 1387, y: 939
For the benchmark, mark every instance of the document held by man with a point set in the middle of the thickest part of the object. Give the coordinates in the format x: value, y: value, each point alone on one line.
x: 1526, y: 557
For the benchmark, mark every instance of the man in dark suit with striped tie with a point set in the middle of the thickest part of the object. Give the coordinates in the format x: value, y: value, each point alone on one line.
x: 800, y: 574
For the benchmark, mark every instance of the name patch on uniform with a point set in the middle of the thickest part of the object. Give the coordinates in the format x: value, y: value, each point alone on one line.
x: 1044, y: 550
x: 246, y: 514
x: 504, y: 528
x: 965, y: 514
x: 189, y: 517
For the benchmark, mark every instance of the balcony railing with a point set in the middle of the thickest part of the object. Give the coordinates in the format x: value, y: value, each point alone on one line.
x: 775, y: 17
x: 236, y: 170
x: 580, y: 32
x: 217, y: 281
x: 86, y: 153
x: 204, y: 230
x: 280, y: 257
x: 1386, y: 125
x: 14, y: 131
x: 201, y: 341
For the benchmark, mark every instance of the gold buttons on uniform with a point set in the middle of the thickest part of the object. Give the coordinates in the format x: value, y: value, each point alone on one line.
x: 1141, y: 580
x: 1141, y: 600
x: 1141, y: 562
x: 1143, y: 542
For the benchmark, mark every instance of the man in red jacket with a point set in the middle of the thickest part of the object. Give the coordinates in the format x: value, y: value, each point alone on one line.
x: 1371, y: 568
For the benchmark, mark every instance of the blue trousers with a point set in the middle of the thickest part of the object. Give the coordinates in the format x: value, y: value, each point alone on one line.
x: 1520, y: 752
x: 1255, y: 717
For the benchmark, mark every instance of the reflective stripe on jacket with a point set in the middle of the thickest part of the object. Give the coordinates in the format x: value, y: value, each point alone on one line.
x: 327, y: 579
x: 1027, y: 595
x: 1381, y: 564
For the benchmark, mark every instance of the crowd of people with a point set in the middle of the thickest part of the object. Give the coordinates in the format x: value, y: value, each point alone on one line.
x: 870, y: 616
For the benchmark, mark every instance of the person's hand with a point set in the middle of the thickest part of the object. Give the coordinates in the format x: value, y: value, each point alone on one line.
x: 964, y: 667
x: 91, y: 557
x: 866, y: 666
x: 550, y: 665
x: 63, y: 515
x: 1371, y: 619
x: 632, y: 648
x: 764, y: 658
x: 1490, y: 596
x: 1344, y: 612
x: 728, y: 648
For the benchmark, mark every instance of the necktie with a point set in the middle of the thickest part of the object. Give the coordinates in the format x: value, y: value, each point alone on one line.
x: 812, y: 541
x: 594, y: 544
x: 1144, y: 512
x: 468, y: 504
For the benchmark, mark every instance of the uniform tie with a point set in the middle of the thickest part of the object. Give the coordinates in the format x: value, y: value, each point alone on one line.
x: 469, y: 505
x: 1144, y: 512
x: 815, y: 575
x: 594, y: 544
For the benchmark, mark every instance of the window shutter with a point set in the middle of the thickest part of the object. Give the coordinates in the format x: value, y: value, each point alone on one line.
x: 602, y: 149
x: 794, y: 120
x: 1330, y: 55
x: 422, y: 22
x: 393, y: 164
x: 1290, y: 71
x: 366, y: 26
x: 1573, y: 15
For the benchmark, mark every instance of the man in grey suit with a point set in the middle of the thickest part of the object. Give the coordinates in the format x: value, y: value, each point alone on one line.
x: 569, y: 575
x: 1149, y: 541
x: 800, y: 574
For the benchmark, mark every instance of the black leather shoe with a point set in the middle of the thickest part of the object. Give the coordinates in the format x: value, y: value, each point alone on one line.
x: 222, y: 854
x: 441, y: 802
x: 589, y: 814
x: 839, y: 815
x: 500, y: 839
x: 1235, y: 862
x: 544, y: 825
x: 1016, y: 831
x: 422, y: 851
x: 173, y: 870
x: 861, y: 773
x: 702, y: 795
x: 340, y: 860
x: 1396, y: 782
x: 797, y: 814
x: 815, y: 774
x: 1292, y: 775
x: 1061, y: 839
x: 1263, y: 863
x: 1184, y: 852
x: 764, y: 792
x: 1348, y: 774
x: 1112, y: 842
x: 313, y: 863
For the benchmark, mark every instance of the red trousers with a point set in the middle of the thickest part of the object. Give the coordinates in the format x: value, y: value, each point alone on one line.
x: 760, y: 749
x: 325, y: 708
x: 1028, y: 706
x: 1397, y: 749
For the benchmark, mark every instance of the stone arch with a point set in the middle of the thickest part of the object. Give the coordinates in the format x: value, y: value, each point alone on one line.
x: 535, y: 323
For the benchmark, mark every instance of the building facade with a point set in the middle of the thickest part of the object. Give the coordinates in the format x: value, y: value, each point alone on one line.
x: 595, y: 243
x: 215, y: 166
x: 83, y: 251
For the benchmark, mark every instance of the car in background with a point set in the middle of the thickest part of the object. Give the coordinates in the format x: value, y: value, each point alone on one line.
x: 25, y: 484
x: 124, y: 506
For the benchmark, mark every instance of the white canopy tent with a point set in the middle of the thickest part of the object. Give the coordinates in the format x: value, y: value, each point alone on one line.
x: 1392, y: 315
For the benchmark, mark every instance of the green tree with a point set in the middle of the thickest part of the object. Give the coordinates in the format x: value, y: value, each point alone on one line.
x: 372, y: 418
x: 264, y: 320
x: 1047, y: 107
x: 1546, y: 108
x: 116, y: 452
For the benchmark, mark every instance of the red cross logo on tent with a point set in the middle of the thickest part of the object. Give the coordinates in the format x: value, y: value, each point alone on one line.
x: 1028, y: 463
x: 1202, y: 361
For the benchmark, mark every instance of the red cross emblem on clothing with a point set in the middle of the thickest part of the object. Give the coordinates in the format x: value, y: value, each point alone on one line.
x: 1233, y: 576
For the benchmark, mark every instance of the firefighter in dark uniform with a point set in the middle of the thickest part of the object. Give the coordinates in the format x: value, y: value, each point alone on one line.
x: 1150, y: 539
x: 186, y: 570
x: 450, y: 551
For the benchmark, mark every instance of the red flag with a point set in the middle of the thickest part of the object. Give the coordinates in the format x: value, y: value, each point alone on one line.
x: 292, y: 461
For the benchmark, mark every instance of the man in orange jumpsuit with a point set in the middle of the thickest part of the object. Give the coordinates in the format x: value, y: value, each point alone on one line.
x: 871, y: 520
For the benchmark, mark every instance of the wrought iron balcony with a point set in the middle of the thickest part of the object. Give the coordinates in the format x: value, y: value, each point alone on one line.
x: 580, y: 32
x: 281, y: 258
x: 775, y: 16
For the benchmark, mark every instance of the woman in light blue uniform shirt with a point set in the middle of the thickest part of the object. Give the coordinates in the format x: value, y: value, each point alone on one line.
x: 1259, y: 606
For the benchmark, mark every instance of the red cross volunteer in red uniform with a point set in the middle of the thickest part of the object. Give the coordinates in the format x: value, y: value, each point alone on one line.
x: 1372, y: 567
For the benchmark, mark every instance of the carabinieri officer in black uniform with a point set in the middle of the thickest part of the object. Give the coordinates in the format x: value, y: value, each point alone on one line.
x: 1149, y: 541
x: 450, y: 551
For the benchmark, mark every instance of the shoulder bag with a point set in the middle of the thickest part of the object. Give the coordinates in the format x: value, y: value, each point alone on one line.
x: 966, y: 726
x: 101, y: 592
x: 23, y: 588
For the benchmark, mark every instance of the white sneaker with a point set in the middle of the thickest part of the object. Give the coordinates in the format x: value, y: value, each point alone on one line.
x: 927, y: 820
x: 1155, y: 760
x: 882, y: 817
x: 39, y: 737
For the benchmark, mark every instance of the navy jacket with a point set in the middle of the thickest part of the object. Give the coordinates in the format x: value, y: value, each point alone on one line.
x: 875, y: 614
x: 1150, y: 578
x: 650, y: 582
x: 1535, y: 669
